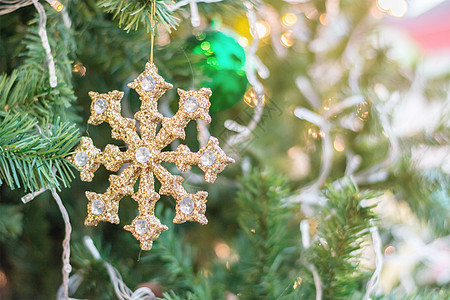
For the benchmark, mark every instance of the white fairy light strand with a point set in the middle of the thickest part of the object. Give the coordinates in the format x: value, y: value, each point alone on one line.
x: 195, y: 16
x: 252, y: 64
x: 12, y: 5
x: 311, y: 192
x: 66, y: 18
x: 327, y: 144
x: 306, y: 241
x: 120, y: 288
x: 317, y: 282
x: 43, y: 34
x: 377, y: 245
x: 251, y: 54
x: 66, y: 267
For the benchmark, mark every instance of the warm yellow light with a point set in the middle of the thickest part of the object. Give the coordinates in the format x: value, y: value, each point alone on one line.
x: 262, y: 29
x: 321, y: 133
x: 323, y: 19
x: 252, y: 99
x: 399, y: 9
x: 339, y: 144
x: 298, y: 282
x: 3, y: 279
x: 396, y: 8
x: 243, y: 42
x: 222, y: 250
x: 56, y: 5
x: 289, y: 19
x: 389, y: 250
x: 384, y: 4
x: 80, y: 69
x: 313, y: 132
x: 362, y: 111
x: 287, y: 39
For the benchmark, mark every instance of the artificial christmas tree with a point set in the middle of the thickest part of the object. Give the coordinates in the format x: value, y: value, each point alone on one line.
x: 340, y: 187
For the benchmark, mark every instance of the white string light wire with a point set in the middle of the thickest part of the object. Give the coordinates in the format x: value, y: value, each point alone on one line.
x: 251, y: 54
x: 377, y: 245
x: 120, y: 288
x: 43, y: 34
x: 252, y: 65
x: 67, y: 268
x: 195, y: 17
x: 306, y: 241
x: 12, y: 5
x: 63, y: 293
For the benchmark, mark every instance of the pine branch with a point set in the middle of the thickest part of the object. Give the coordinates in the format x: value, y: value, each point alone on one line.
x: 265, y: 262
x: 26, y: 89
x: 133, y: 13
x: 29, y: 158
x: 341, y: 232
x: 427, y: 193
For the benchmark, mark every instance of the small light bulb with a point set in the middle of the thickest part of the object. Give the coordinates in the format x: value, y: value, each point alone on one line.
x: 251, y: 98
x: 289, y: 19
x: 287, y: 38
x: 56, y: 5
x: 262, y: 29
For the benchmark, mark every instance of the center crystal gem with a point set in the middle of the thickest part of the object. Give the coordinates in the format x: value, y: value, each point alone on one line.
x: 142, y: 154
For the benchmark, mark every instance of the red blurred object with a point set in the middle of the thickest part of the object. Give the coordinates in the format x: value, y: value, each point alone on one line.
x: 430, y: 29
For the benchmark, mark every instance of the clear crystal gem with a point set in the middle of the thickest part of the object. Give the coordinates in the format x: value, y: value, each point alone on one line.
x: 186, y: 206
x: 81, y: 158
x: 147, y: 83
x: 97, y: 207
x: 100, y: 105
x: 191, y: 104
x: 208, y: 158
x: 142, y: 154
x: 141, y: 226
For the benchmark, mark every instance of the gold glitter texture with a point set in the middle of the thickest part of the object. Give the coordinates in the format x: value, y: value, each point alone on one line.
x: 144, y: 156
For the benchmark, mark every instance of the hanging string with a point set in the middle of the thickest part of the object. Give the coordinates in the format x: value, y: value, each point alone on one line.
x: 152, y: 22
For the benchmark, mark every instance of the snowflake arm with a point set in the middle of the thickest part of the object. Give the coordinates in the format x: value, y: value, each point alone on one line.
x: 86, y: 158
x: 193, y: 105
x: 106, y: 108
x: 211, y: 159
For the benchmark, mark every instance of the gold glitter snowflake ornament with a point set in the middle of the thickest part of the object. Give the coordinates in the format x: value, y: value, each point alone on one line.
x: 144, y: 157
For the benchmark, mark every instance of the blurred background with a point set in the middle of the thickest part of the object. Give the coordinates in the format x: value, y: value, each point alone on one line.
x: 336, y: 112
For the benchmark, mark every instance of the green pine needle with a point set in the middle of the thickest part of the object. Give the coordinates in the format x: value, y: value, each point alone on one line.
x: 32, y: 156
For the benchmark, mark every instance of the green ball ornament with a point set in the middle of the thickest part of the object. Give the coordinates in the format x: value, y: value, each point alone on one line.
x: 222, y: 63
